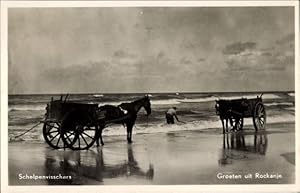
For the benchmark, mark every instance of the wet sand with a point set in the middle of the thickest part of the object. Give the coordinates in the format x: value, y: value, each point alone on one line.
x: 185, y: 157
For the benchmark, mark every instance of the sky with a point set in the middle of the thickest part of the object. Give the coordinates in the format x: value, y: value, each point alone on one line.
x: 154, y: 49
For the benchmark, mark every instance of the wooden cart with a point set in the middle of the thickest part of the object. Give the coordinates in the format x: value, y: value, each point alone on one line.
x: 78, y: 125
x: 63, y: 118
x: 236, y: 110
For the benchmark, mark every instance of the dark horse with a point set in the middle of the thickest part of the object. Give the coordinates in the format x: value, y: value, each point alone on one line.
x: 125, y: 113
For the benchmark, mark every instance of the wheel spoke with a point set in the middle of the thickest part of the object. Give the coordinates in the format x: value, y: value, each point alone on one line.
x: 49, y: 127
x: 58, y: 141
x: 87, y: 135
x: 261, y: 122
x: 79, y: 142
x: 69, y: 139
x: 70, y: 134
x: 260, y: 125
x: 256, y: 121
x: 53, y: 126
x: 54, y: 137
x: 84, y: 139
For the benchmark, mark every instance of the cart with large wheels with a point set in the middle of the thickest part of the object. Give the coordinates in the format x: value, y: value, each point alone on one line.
x: 77, y: 125
x: 236, y: 110
x: 70, y: 125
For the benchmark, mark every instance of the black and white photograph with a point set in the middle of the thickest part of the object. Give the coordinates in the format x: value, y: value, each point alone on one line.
x: 150, y: 95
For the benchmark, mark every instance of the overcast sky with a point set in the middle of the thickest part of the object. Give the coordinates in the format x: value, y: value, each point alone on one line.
x: 100, y: 50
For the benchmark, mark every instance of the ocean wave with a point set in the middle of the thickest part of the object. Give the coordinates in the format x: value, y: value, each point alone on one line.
x: 174, y: 101
x: 42, y: 107
x: 98, y: 95
x: 153, y: 102
x: 39, y: 107
x: 110, y: 103
x: 190, y: 126
x: 290, y: 108
x: 279, y: 104
x: 213, y: 98
x: 291, y: 94
x: 199, y: 100
x: 165, y: 102
x: 264, y: 96
x: 119, y: 130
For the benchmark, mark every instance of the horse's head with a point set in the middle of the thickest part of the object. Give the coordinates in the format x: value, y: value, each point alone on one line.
x: 147, y: 104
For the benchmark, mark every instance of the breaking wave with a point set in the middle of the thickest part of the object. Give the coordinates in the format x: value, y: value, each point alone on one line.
x: 279, y: 104
x: 213, y: 98
x: 116, y: 130
x: 32, y: 107
x: 98, y: 95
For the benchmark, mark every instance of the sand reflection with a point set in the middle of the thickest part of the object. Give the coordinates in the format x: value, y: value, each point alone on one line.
x: 240, y: 145
x: 89, y: 167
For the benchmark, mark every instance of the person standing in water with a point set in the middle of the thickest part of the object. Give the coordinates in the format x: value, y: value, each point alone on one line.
x: 170, y: 114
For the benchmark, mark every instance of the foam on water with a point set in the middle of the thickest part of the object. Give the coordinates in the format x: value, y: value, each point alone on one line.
x: 213, y: 98
x: 41, y: 107
x: 265, y: 96
x: 194, y: 125
x: 165, y: 102
x: 153, y: 102
x: 30, y: 107
x: 23, y: 116
x: 113, y: 130
x: 98, y: 95
x: 279, y: 103
x: 290, y: 108
x: 285, y: 118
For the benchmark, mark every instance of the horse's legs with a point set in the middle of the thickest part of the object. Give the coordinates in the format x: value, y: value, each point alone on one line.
x: 231, y: 122
x: 101, y: 140
x: 226, y: 124
x: 97, y: 141
x: 222, y: 120
x: 129, y: 131
x: 100, y: 137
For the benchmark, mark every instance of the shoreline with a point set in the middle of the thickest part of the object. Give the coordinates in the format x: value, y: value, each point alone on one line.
x: 213, y: 130
x: 181, y: 157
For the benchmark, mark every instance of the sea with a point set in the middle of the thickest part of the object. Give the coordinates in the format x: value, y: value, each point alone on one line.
x: 197, y: 110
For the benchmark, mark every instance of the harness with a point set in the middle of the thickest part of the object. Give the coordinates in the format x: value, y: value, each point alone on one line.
x: 123, y: 110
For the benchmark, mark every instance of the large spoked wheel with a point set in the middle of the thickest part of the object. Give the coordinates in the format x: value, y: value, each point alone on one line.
x: 51, y: 133
x: 78, y: 131
x: 259, y: 117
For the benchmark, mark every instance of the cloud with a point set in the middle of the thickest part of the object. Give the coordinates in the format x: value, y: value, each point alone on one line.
x: 201, y: 59
x: 122, y: 54
x: 185, y: 61
x: 237, y: 48
x: 247, y: 57
x: 110, y: 48
x: 290, y: 38
x: 90, y: 76
x: 266, y: 54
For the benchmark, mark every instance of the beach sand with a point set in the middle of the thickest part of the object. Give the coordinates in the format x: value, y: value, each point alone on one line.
x: 185, y: 157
